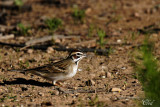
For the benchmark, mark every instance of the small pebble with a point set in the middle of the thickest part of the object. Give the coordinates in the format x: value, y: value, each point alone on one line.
x: 109, y: 75
x: 50, y: 50
x: 88, y: 10
x: 57, y: 40
x: 40, y: 93
x: 32, y: 100
x: 90, y: 82
x: 119, y: 41
x: 116, y: 90
x: 136, y: 15
x: 30, y: 51
x: 21, y: 38
x: 123, y: 68
x: 55, y: 92
x: 114, y: 98
x: 103, y: 77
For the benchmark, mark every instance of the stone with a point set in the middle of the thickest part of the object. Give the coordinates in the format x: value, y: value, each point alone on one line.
x: 30, y: 51
x: 116, y: 90
x: 119, y: 41
x: 114, y: 98
x: 103, y: 76
x: 50, y: 50
x: 90, y: 82
x: 88, y: 11
x: 55, y: 92
x: 109, y: 75
x: 40, y: 93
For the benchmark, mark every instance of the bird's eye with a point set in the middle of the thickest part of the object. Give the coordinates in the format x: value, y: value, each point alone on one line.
x: 76, y: 56
x: 79, y: 54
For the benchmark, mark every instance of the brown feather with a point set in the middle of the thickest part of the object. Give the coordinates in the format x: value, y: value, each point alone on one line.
x: 51, y: 69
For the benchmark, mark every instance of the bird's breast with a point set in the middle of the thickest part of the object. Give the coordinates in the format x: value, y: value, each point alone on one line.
x: 72, y: 71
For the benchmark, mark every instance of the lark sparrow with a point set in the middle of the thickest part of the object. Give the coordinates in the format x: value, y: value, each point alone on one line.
x: 58, y: 71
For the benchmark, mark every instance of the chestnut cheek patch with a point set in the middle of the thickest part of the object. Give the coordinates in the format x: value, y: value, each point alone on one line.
x: 75, y: 56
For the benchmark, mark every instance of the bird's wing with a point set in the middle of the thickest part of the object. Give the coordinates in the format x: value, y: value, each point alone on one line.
x: 58, y: 67
x: 46, y: 69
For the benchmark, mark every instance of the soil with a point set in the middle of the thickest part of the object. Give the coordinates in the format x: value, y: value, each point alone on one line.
x: 101, y: 80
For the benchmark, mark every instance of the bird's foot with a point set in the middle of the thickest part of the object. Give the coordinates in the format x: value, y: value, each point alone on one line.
x: 58, y: 84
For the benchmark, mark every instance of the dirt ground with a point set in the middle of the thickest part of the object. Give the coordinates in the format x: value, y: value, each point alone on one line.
x: 102, y: 80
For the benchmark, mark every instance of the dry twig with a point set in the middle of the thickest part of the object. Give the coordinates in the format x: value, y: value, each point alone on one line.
x: 81, y: 91
x: 45, y: 39
x: 62, y: 48
x: 84, y: 43
x: 6, y: 37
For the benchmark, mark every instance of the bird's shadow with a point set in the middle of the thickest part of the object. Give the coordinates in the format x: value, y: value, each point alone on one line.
x: 26, y: 82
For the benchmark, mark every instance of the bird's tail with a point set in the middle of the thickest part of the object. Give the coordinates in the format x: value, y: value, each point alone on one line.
x: 29, y: 71
x: 17, y: 70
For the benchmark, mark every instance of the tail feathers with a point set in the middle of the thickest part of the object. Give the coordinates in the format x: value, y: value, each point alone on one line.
x: 37, y: 73
x: 17, y: 70
x: 29, y: 71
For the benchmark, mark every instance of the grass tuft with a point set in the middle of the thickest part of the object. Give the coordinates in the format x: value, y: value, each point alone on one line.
x: 91, y: 30
x: 23, y: 29
x: 101, y: 34
x: 18, y: 3
x: 78, y: 15
x: 95, y: 102
x: 148, y: 73
x: 53, y: 24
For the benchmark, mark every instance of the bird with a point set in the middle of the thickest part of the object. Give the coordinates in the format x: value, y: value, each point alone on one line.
x: 58, y: 71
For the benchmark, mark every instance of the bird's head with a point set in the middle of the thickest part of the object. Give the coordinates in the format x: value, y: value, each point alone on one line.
x: 77, y: 55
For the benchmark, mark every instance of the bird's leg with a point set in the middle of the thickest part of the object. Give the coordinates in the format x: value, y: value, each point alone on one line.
x: 55, y: 83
